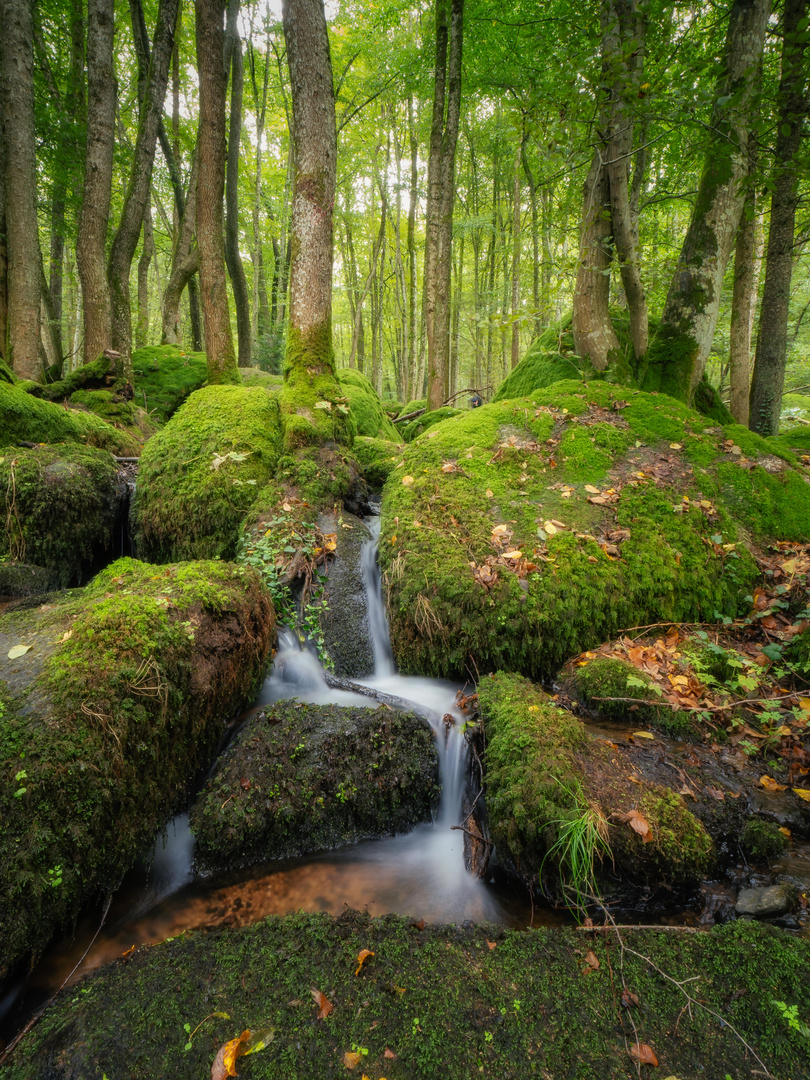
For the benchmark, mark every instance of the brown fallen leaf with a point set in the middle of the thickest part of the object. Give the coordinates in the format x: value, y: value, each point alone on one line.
x: 225, y: 1061
x: 492, y: 944
x: 770, y: 784
x: 389, y: 1054
x: 643, y: 1054
x: 351, y: 1060
x: 591, y: 963
x: 325, y: 1006
x: 362, y: 956
x: 638, y: 823
x: 629, y: 999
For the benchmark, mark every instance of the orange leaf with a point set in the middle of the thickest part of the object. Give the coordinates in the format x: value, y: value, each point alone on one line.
x: 325, y: 1006
x: 389, y: 1054
x: 637, y: 822
x: 643, y: 1054
x: 351, y: 1060
x: 362, y: 956
x: 225, y: 1061
x: 770, y: 784
x: 492, y: 944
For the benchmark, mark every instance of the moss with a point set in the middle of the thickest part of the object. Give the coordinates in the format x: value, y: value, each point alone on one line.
x: 377, y: 458
x: 165, y: 376
x: 321, y: 476
x: 6, y: 374
x: 301, y: 778
x: 258, y: 377
x: 541, y: 768
x: 456, y: 1001
x: 367, y: 411
x: 314, y: 409
x: 62, y: 504
x: 594, y: 681
x: 413, y: 406
x: 121, y: 699
x: 795, y: 412
x: 762, y: 839
x: 99, y: 372
x: 637, y: 550
x: 23, y: 418
x: 201, y: 473
x: 539, y: 368
x: 428, y: 420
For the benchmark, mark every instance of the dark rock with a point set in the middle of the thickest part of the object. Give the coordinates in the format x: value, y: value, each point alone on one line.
x: 345, y: 623
x: 761, y: 902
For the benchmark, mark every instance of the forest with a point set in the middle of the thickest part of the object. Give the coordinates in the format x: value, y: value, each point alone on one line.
x: 405, y: 548
x: 549, y: 106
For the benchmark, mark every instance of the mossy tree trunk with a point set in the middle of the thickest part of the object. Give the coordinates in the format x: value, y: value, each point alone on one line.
x: 125, y: 241
x: 747, y: 260
x: 185, y: 264
x: 441, y: 195
x: 24, y: 260
x: 677, y: 355
x: 210, y: 35
x: 310, y: 397
x: 233, y: 259
x: 594, y: 335
x: 769, y: 364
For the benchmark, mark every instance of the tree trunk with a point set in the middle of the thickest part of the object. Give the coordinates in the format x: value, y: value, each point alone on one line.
x: 535, y: 240
x: 516, y: 253
x: 3, y: 244
x: 747, y: 259
x: 677, y: 355
x: 309, y: 368
x: 441, y: 194
x: 413, y: 194
x: 122, y: 250
x: 210, y: 191
x: 17, y: 89
x: 147, y: 252
x: 768, y: 380
x: 594, y: 335
x: 233, y: 259
x: 185, y: 263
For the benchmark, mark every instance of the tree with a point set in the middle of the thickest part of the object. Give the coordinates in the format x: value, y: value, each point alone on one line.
x: 309, y: 370
x: 22, y: 236
x: 210, y: 37
x: 233, y: 260
x: 441, y: 194
x: 769, y: 364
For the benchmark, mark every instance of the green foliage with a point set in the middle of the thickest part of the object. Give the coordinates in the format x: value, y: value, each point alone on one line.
x: 61, y: 505
x: 23, y: 418
x: 596, y: 681
x: 200, y: 475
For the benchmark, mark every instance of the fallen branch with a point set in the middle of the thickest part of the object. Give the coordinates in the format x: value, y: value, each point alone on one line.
x: 392, y: 700
x: 475, y: 836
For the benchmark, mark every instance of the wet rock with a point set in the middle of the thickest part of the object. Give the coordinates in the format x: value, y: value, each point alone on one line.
x: 344, y: 624
x: 764, y: 901
x: 301, y: 778
x: 113, y: 698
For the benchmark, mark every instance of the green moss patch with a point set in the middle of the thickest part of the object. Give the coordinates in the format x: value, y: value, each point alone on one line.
x: 795, y: 412
x: 624, y: 511
x: 61, y: 505
x: 121, y: 698
x: 24, y: 418
x: 200, y: 475
x: 165, y: 376
x: 544, y: 775
x: 301, y: 778
x: 426, y: 421
x: 439, y: 1001
x: 377, y: 458
x: 369, y: 416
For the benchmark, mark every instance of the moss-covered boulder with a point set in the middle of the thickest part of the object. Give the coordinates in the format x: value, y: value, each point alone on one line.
x: 561, y: 802
x: 528, y: 530
x: 344, y: 616
x: 165, y: 376
x: 426, y: 421
x: 202, y: 472
x: 62, y: 505
x: 795, y: 412
x: 377, y: 458
x: 120, y: 697
x: 455, y: 1001
x: 24, y: 418
x: 302, y: 778
x: 367, y: 411
x: 254, y: 376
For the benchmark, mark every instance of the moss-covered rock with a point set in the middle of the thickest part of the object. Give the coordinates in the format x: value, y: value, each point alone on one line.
x: 455, y: 1001
x: 762, y: 839
x: 369, y: 416
x: 98, y: 374
x: 528, y: 530
x: 377, y: 458
x: 344, y: 617
x: 22, y: 579
x: 24, y: 418
x: 428, y: 420
x: 202, y: 472
x: 256, y: 376
x: 165, y: 376
x: 413, y: 406
x: 545, y: 775
x: 121, y: 698
x: 302, y: 778
x: 795, y: 412
x: 61, y: 505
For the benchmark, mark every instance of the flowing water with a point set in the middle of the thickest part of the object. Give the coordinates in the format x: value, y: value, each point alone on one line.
x: 419, y: 874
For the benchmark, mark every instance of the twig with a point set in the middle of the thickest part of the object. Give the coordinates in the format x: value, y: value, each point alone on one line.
x: 17, y: 1038
x: 475, y: 836
x: 643, y: 926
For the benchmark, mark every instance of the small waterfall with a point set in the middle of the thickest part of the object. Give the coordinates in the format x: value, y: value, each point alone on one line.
x: 377, y: 615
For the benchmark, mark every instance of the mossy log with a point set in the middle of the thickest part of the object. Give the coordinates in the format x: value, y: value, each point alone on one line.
x: 302, y: 778
x: 24, y: 418
x: 120, y: 699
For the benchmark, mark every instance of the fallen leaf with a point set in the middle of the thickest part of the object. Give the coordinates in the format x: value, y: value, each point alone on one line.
x: 225, y: 1061
x: 492, y: 944
x: 325, y: 1006
x: 643, y: 1054
x: 286, y: 506
x: 389, y: 1054
x: 785, y: 831
x: 803, y: 793
x: 591, y: 963
x: 448, y: 467
x: 362, y: 956
x: 643, y: 735
x: 19, y: 650
x: 550, y: 527
x: 351, y: 1060
x: 675, y: 446
x: 593, y: 490
x: 637, y: 822
x: 407, y: 480
x: 516, y: 554
x: 629, y: 999
x: 770, y: 784
x: 500, y: 528
x: 489, y: 493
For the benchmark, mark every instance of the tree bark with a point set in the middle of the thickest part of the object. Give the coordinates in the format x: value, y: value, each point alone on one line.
x: 768, y: 379
x: 677, y: 355
x: 17, y: 89
x: 147, y: 253
x: 233, y: 259
x: 122, y: 250
x: 516, y: 232
x: 185, y: 263
x: 747, y: 258
x: 594, y: 335
x: 309, y: 369
x: 210, y: 36
x: 441, y: 194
